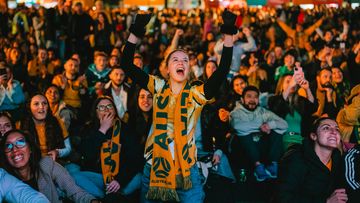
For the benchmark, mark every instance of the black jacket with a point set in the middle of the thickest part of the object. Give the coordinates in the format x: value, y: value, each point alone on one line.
x: 304, y: 178
x: 303, y: 106
x: 351, y: 174
x: 130, y: 162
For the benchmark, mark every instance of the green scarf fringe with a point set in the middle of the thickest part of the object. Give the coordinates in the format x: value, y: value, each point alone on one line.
x: 183, y: 182
x: 163, y: 194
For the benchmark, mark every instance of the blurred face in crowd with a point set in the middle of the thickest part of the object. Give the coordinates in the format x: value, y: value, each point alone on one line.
x: 71, y: 67
x: 299, y: 28
x: 117, y: 76
x: 270, y: 58
x: 328, y: 36
x: 337, y: 75
x: 289, y: 60
x: 113, y: 61
x: 52, y: 94
x: 278, y: 52
x: 99, y: 5
x: 4, y: 78
x: 17, y: 151
x: 115, y: 52
x: 145, y: 100
x: 178, y: 66
x: 239, y: 85
x: 14, y: 55
x: 210, y: 68
x: 100, y: 63
x: 327, y: 135
x: 101, y: 18
x: 5, y: 125
x: 138, y: 62
x: 250, y: 100
x: 105, y: 108
x: 325, y: 77
x: 42, y: 55
x: 78, y: 8
x: 289, y: 42
x: 51, y: 54
x: 39, y: 107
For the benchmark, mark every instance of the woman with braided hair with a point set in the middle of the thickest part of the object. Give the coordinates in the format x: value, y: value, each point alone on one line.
x: 170, y: 173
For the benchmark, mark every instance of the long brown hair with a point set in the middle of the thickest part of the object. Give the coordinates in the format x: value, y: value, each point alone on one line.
x: 53, y: 131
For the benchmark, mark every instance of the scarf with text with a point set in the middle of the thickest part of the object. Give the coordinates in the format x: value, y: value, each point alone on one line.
x: 110, y: 154
x: 168, y: 173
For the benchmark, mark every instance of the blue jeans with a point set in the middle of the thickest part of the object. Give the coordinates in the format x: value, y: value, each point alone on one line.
x: 193, y: 195
x: 91, y: 182
x: 133, y: 185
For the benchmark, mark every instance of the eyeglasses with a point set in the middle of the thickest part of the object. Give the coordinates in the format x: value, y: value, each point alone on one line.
x: 19, y: 144
x: 103, y: 107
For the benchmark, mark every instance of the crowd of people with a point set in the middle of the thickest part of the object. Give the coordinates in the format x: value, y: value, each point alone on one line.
x: 112, y: 105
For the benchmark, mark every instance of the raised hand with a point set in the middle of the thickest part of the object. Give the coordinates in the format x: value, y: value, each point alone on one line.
x: 138, y: 27
x: 229, y: 23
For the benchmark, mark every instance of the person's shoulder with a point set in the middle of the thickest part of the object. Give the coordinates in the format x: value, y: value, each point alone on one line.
x: 294, y: 153
x: 46, y: 163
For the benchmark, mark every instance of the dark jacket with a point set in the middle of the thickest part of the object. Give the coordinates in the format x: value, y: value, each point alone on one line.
x: 130, y: 162
x: 351, y: 174
x: 303, y: 106
x: 304, y: 178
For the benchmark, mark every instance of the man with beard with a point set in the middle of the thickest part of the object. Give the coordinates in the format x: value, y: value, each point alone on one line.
x: 73, y: 84
x: 258, y: 132
x: 324, y: 92
x: 118, y: 90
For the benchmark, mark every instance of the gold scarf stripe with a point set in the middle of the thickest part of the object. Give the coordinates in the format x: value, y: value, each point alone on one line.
x: 110, y: 154
x: 168, y: 174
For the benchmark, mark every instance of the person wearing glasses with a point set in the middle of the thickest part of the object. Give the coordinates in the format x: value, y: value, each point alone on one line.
x: 22, y: 159
x: 109, y: 150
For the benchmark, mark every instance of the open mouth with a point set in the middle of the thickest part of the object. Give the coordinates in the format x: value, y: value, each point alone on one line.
x: 180, y: 71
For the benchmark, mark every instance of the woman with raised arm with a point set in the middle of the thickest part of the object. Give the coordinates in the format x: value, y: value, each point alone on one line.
x: 170, y: 152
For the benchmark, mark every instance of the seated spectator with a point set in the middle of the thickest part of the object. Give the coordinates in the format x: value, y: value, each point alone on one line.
x: 54, y: 66
x: 16, y: 64
x: 6, y: 123
x: 98, y: 134
x: 46, y: 131
x: 73, y: 85
x: 38, y: 71
x: 256, y: 128
x: 324, y: 92
x: 348, y: 119
x: 97, y: 74
x: 22, y: 158
x: 58, y: 107
x: 11, y: 94
x: 256, y: 76
x: 289, y: 64
x: 13, y: 190
x: 295, y: 109
x: 309, y: 172
x: 118, y: 90
x: 341, y: 86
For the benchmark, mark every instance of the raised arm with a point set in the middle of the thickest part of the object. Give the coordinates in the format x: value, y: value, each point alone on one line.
x: 212, y: 86
x: 137, y: 31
